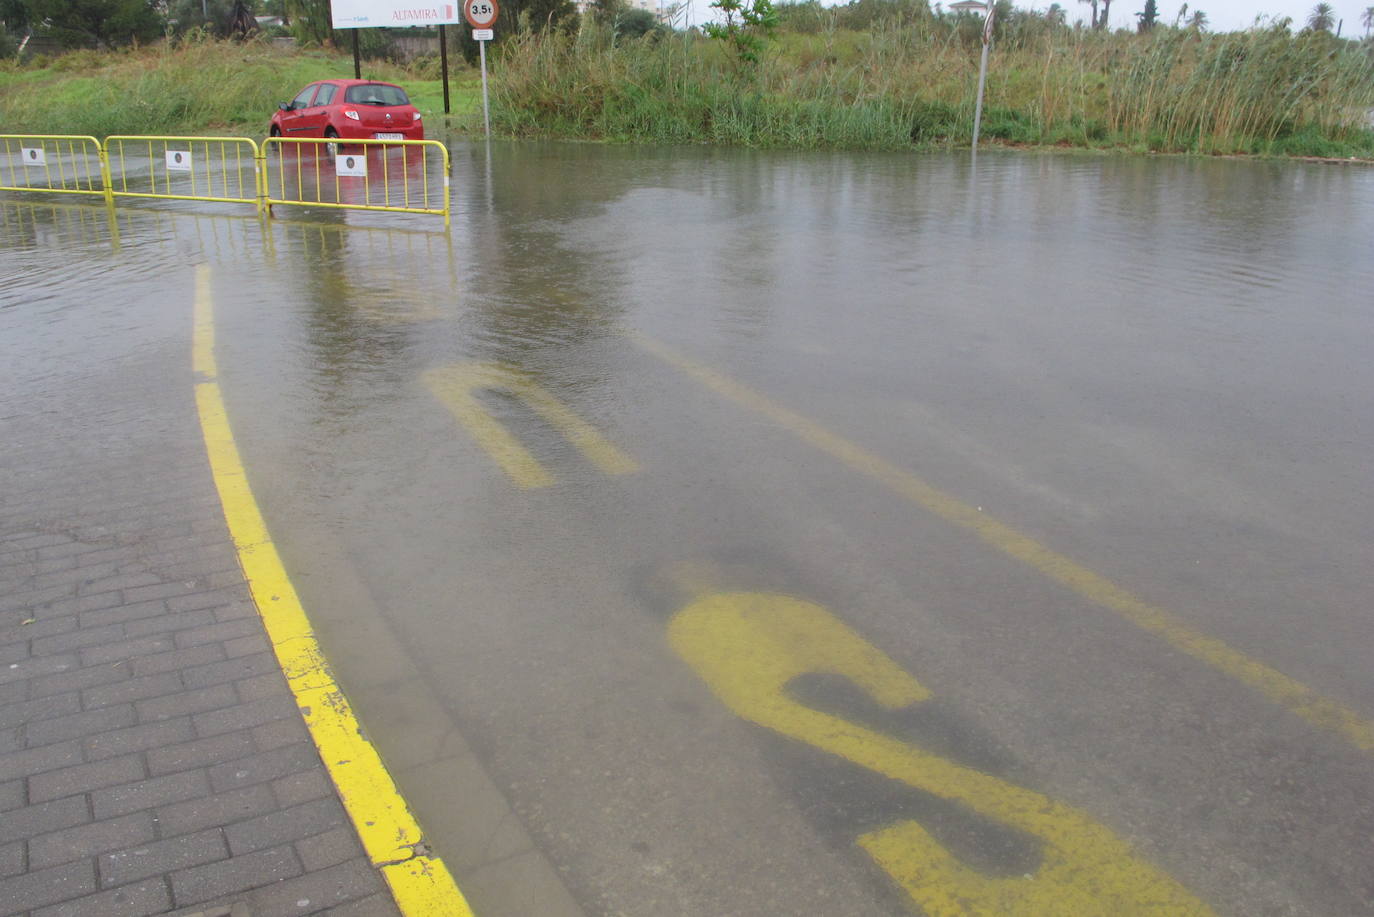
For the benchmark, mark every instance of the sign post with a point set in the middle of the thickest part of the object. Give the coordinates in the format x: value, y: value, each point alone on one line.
x: 443, y: 63
x: 394, y: 14
x: 991, y: 11
x: 481, y: 15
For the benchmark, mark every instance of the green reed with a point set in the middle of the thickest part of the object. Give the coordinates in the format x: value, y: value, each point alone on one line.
x: 913, y: 82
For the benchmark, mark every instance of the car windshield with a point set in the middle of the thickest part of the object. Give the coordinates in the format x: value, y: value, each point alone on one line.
x: 376, y: 94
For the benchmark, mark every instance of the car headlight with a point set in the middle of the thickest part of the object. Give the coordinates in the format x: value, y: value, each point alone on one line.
x: 417, y: 117
x: 350, y: 113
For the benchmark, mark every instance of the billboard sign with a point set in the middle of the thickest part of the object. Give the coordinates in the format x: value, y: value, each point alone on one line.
x: 394, y: 14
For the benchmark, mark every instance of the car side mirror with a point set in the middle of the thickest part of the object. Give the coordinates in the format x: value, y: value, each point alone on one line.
x: 285, y: 106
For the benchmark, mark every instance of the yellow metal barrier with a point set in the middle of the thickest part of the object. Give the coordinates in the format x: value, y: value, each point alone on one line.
x: 406, y: 176
x: 51, y: 162
x: 223, y: 169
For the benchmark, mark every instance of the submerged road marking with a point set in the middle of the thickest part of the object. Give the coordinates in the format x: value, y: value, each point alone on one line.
x: 750, y: 646
x: 456, y: 386
x: 1273, y: 684
x: 420, y: 883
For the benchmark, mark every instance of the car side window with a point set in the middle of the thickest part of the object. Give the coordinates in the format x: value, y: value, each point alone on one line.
x: 303, y: 100
x: 326, y: 95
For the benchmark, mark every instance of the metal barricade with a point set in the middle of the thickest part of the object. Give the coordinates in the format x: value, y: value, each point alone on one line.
x: 60, y: 163
x: 399, y: 176
x: 223, y: 169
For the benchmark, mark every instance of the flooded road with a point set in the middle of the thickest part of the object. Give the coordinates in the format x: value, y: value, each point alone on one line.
x: 720, y: 532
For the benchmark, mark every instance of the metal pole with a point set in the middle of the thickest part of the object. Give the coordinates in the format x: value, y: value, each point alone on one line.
x: 486, y: 113
x: 443, y: 63
x: 978, y: 109
x: 357, y: 62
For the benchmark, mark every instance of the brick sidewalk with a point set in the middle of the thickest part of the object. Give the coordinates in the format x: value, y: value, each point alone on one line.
x: 151, y: 757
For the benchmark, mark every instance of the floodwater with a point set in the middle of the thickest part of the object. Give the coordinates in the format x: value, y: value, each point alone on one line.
x: 724, y: 532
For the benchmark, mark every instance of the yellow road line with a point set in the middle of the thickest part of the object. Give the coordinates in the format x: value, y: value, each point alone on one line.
x: 1270, y: 682
x: 420, y: 883
x: 455, y: 387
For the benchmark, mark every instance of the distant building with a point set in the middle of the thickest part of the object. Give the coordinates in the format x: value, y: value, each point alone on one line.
x: 663, y: 11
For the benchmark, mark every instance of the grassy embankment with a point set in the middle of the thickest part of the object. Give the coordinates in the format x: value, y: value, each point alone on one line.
x: 194, y: 88
x: 904, y: 83
x: 892, y: 85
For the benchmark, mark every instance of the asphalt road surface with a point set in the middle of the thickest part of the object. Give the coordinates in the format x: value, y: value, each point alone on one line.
x: 706, y: 532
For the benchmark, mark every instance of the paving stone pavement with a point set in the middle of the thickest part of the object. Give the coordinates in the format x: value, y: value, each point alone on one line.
x: 151, y: 757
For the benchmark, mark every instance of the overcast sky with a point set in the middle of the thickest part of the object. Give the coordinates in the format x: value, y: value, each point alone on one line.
x: 1222, y: 15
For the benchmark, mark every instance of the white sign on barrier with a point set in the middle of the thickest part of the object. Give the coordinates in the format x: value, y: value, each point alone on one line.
x: 34, y: 156
x: 350, y: 164
x: 393, y: 14
x: 178, y: 161
x: 483, y: 34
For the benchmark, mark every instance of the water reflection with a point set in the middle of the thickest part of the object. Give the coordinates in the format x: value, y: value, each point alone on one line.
x: 52, y: 224
x: 534, y: 302
x: 1157, y: 367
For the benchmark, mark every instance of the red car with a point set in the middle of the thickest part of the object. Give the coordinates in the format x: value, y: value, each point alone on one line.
x: 350, y: 110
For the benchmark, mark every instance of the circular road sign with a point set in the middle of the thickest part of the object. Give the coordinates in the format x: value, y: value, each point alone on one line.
x: 480, y: 14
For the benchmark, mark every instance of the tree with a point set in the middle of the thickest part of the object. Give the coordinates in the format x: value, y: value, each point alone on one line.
x: 1056, y: 14
x: 607, y: 10
x: 1322, y: 18
x: 517, y: 16
x: 747, y: 27
x: 211, y: 15
x: 14, y: 14
x: 540, y: 14
x: 1198, y: 21
x: 636, y: 23
x: 1367, y: 20
x: 1148, y: 16
x: 309, y: 20
x: 99, y: 23
x: 1005, y: 15
x: 1094, y: 6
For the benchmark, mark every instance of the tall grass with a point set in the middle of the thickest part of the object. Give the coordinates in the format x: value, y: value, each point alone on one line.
x: 1241, y: 91
x: 904, y: 78
x: 913, y: 81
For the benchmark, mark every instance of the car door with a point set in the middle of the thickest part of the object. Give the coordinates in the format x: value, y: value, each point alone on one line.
x: 295, y: 119
x: 316, y: 118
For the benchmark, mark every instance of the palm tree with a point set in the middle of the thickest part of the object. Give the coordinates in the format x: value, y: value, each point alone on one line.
x: 1056, y: 14
x: 1094, y: 6
x: 1147, y: 16
x: 1322, y: 18
x: 1198, y: 21
x: 1367, y: 20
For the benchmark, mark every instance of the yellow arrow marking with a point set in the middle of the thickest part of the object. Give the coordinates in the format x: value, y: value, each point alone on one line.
x: 748, y: 646
x: 456, y: 387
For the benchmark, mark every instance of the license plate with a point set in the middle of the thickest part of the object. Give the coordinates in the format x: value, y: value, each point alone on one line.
x: 390, y: 136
